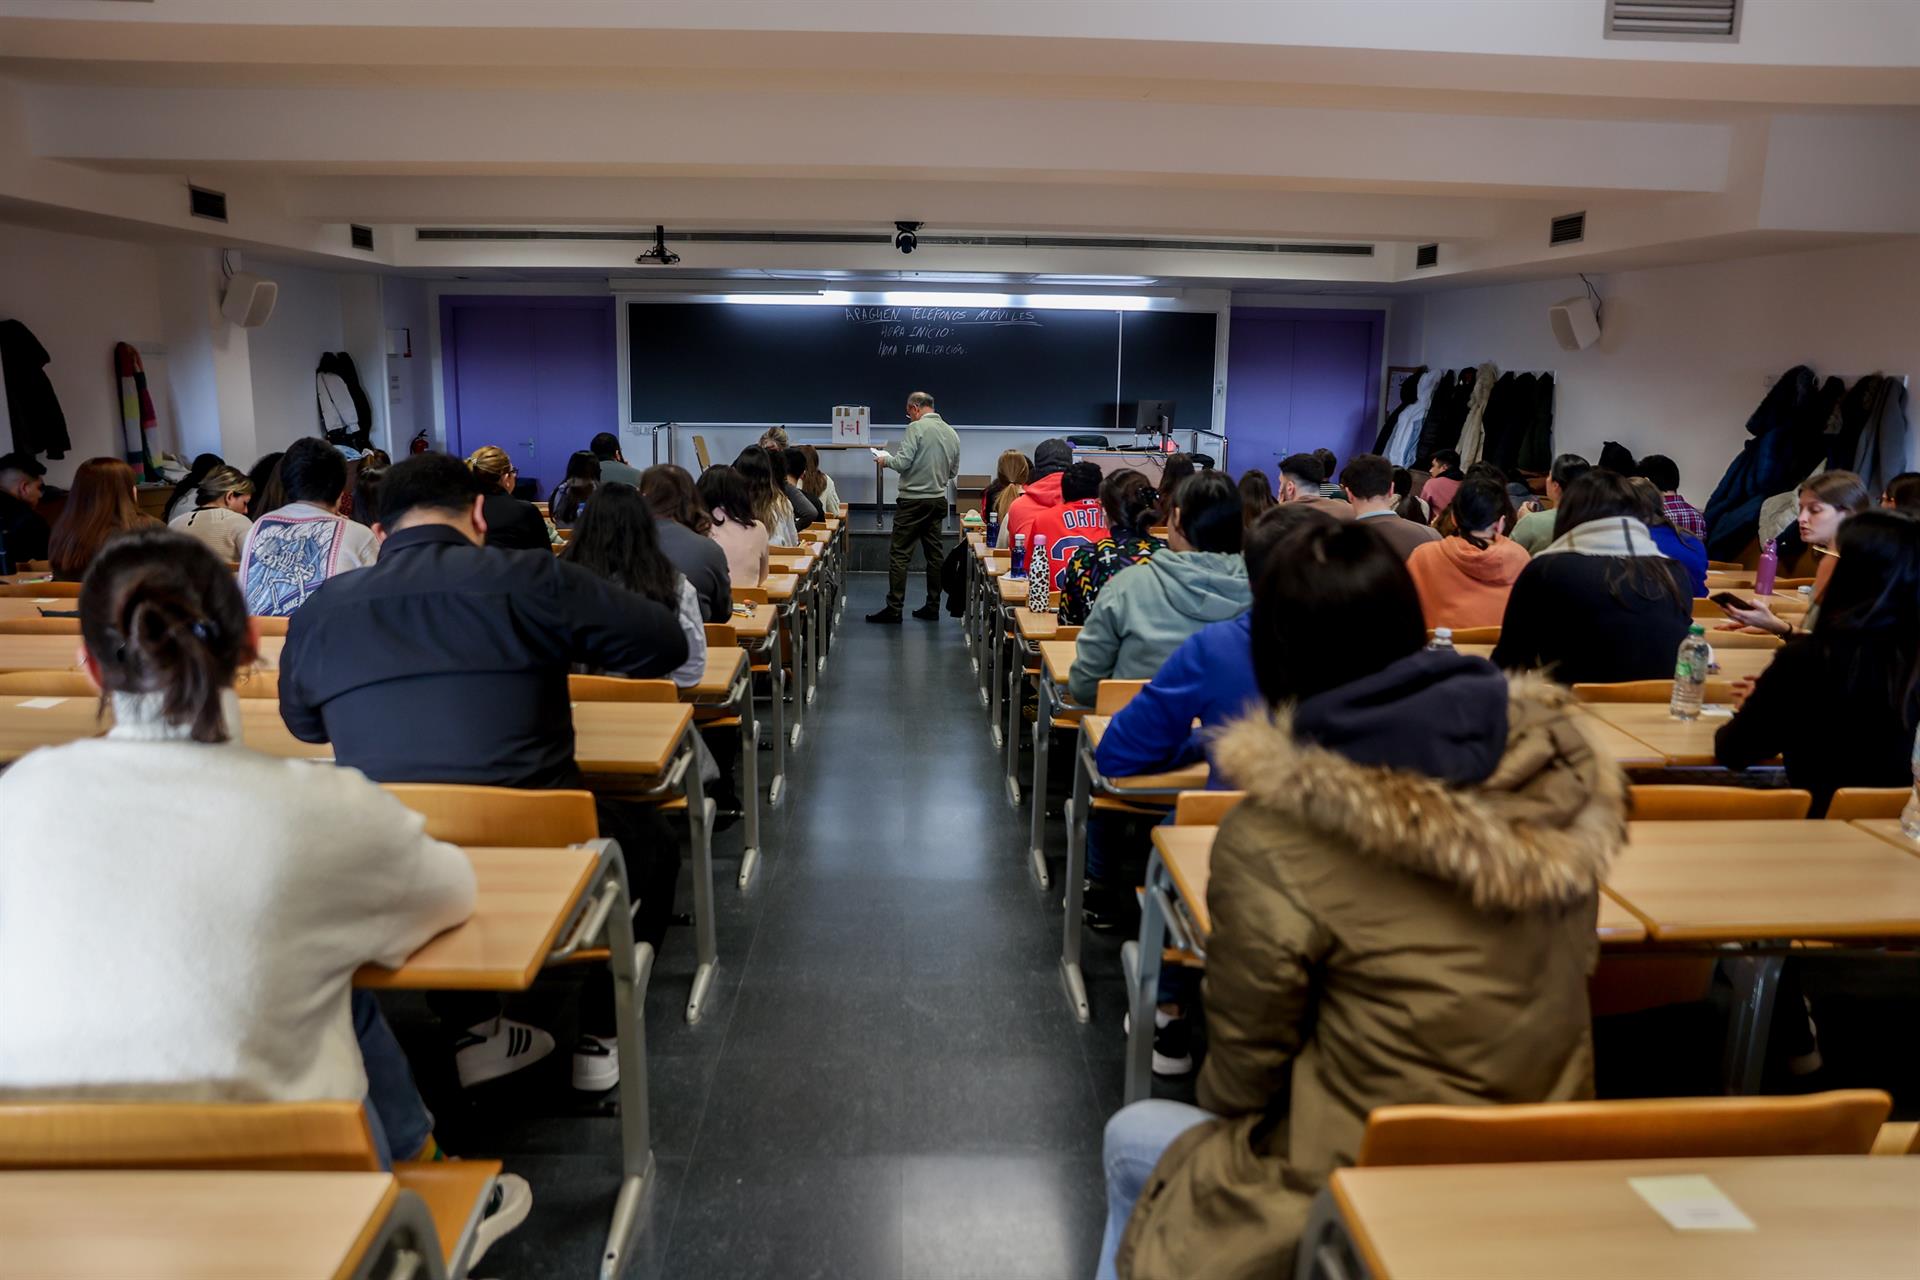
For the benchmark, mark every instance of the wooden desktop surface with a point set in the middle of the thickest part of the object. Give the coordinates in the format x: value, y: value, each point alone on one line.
x: 1012, y: 590
x: 1888, y: 829
x: 525, y: 896
x: 188, y: 1225
x: 1056, y: 656
x: 755, y: 625
x: 14, y: 607
x: 1034, y: 627
x: 716, y: 681
x: 780, y: 587
x: 1733, y: 663
x: 1852, y: 1216
x: 1679, y: 742
x: 60, y: 653
x: 1759, y: 880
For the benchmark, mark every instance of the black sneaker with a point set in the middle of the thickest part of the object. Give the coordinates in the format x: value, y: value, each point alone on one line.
x: 1109, y: 908
x: 1172, y: 1047
x: 886, y: 617
x: 928, y: 613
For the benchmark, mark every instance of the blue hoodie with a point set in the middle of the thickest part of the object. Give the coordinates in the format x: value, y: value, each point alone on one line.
x: 1209, y: 678
x: 1684, y: 550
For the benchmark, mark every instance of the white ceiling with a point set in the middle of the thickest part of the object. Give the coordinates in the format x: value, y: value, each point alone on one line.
x: 1470, y: 123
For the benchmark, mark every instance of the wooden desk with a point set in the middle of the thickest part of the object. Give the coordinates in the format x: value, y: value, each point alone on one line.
x: 59, y: 653
x: 193, y: 1225
x: 781, y: 587
x: 1623, y: 748
x: 525, y: 897
x: 1887, y: 829
x: 627, y: 740
x: 1852, y: 1216
x: 1730, y: 664
x: 1056, y: 659
x: 1616, y: 923
x: 17, y: 607
x: 1034, y: 627
x: 756, y: 624
x: 1760, y: 881
x: 1012, y: 590
x: 1675, y: 742
x: 716, y: 681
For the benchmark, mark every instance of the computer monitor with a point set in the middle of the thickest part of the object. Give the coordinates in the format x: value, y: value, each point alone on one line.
x: 1153, y: 415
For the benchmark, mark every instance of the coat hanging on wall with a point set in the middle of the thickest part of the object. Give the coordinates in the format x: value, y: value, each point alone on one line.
x: 1473, y: 429
x: 1787, y: 438
x: 38, y: 424
x: 346, y: 416
x: 1406, y: 432
x: 1446, y: 397
x: 1409, y: 393
x: 1536, y: 438
x: 1887, y: 444
x: 136, y: 410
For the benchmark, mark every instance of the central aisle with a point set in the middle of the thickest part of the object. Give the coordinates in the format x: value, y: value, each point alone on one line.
x: 888, y: 1082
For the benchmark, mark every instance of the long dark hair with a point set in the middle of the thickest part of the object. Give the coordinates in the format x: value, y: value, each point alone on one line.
x: 1256, y: 495
x: 1333, y: 603
x: 1869, y: 619
x: 99, y: 506
x: 615, y: 538
x: 725, y: 492
x: 269, y: 494
x: 366, y: 490
x: 1476, y: 505
x: 161, y: 613
x: 813, y: 482
x: 670, y: 494
x: 755, y: 466
x: 1128, y: 499
x: 1607, y: 495
x: 190, y: 483
x: 1173, y: 472
x: 583, y: 473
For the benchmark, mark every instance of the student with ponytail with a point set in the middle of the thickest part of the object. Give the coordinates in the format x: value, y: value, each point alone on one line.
x: 226, y: 967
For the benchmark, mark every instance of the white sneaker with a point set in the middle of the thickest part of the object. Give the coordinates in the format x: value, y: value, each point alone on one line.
x: 507, y: 1208
x: 497, y: 1048
x: 596, y: 1063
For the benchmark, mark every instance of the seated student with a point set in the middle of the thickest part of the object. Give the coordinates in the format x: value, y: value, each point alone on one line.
x: 614, y: 467
x: 1010, y: 477
x: 1256, y: 495
x: 1676, y: 544
x: 1144, y: 613
x: 182, y: 499
x: 1369, y: 483
x: 269, y: 491
x: 366, y: 487
x: 1827, y: 502
x: 817, y: 484
x: 1173, y: 473
x: 571, y: 494
x: 23, y: 532
x: 1130, y: 506
x: 1051, y: 458
x: 1902, y: 493
x: 103, y: 504
x: 1077, y: 524
x: 1464, y: 578
x: 1534, y: 530
x: 1599, y: 603
x: 1355, y: 961
x: 1438, y: 491
x: 220, y: 518
x: 1407, y: 504
x: 736, y: 529
x: 764, y: 479
x: 1329, y: 467
x: 805, y: 510
x: 509, y: 522
x: 1839, y: 704
x: 231, y: 980
x: 1300, y: 481
x: 682, y: 524
x: 292, y: 550
x: 1665, y: 476
x: 447, y: 662
x: 616, y: 539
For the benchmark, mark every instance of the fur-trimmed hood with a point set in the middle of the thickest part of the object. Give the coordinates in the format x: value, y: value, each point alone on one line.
x: 1542, y: 829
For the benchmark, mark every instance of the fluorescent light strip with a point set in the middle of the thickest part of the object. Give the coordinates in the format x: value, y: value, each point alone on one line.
x: 916, y: 298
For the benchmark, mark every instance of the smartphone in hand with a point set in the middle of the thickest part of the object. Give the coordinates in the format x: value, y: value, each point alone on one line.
x: 1728, y: 600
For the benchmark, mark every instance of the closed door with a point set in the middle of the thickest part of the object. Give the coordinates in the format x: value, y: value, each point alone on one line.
x: 535, y: 377
x: 1296, y: 382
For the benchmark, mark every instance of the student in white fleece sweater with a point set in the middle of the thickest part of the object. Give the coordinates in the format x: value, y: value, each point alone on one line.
x: 181, y: 917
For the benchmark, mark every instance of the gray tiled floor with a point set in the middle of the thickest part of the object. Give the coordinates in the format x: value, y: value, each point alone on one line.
x: 888, y: 1082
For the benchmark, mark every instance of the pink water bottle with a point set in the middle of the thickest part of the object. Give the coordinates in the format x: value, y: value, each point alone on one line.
x: 1769, y: 568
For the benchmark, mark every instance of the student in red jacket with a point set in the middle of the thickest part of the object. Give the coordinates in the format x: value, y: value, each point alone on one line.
x: 1079, y: 521
x: 1050, y: 460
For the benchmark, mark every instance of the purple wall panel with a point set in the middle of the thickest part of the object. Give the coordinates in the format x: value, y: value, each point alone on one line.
x: 1300, y: 378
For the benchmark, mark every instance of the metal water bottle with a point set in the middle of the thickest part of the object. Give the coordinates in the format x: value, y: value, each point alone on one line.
x: 1039, y: 579
x: 1769, y: 568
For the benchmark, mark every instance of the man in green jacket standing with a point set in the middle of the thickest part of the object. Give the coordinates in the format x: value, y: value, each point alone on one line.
x: 927, y: 461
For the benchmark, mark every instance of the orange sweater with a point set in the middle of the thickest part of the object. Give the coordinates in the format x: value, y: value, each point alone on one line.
x: 1462, y: 586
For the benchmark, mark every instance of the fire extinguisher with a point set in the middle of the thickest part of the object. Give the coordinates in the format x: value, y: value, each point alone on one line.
x: 420, y: 443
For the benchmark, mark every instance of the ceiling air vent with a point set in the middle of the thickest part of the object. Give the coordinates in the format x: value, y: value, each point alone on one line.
x: 202, y: 203
x: 1568, y: 228
x: 1425, y: 256
x: 362, y: 236
x: 1673, y: 20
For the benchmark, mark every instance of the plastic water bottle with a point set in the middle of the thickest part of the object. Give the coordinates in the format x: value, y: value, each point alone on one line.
x: 1019, y: 569
x: 1910, y: 816
x: 993, y: 527
x: 1442, y: 639
x: 1039, y: 579
x: 1690, y: 674
x: 1769, y: 567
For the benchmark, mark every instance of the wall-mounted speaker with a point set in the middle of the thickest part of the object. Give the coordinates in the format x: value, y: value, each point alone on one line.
x: 248, y: 301
x: 1575, y: 324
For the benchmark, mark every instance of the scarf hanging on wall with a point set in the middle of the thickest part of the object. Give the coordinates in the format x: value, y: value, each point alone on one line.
x: 136, y: 410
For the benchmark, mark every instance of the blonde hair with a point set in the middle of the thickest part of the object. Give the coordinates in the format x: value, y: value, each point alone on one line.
x: 777, y: 435
x: 490, y: 462
x: 220, y: 482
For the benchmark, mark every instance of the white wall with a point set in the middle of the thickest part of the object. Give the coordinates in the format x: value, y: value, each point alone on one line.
x: 80, y: 296
x: 404, y: 382
x: 1686, y: 352
x: 286, y: 351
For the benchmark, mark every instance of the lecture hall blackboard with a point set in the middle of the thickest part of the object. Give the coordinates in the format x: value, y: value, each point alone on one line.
x: 986, y: 366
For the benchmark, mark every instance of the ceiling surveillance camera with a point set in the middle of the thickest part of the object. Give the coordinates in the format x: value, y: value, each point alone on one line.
x: 904, y: 238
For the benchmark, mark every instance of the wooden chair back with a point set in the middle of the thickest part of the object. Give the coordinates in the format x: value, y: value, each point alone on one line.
x: 1648, y: 691
x: 700, y: 452
x: 258, y: 682
x: 620, y: 689
x: 36, y: 566
x: 1861, y: 802
x: 1704, y: 804
x: 300, y: 1136
x: 1742, y: 640
x: 1476, y: 635
x: 1204, y: 808
x: 1841, y: 1122
x: 721, y: 635
x: 34, y: 590
x: 1726, y: 566
x: 1115, y: 694
x: 1792, y: 584
x: 46, y: 684
x: 1898, y: 1138
x: 271, y: 626
x: 750, y: 595
x: 39, y: 626
x: 500, y: 815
